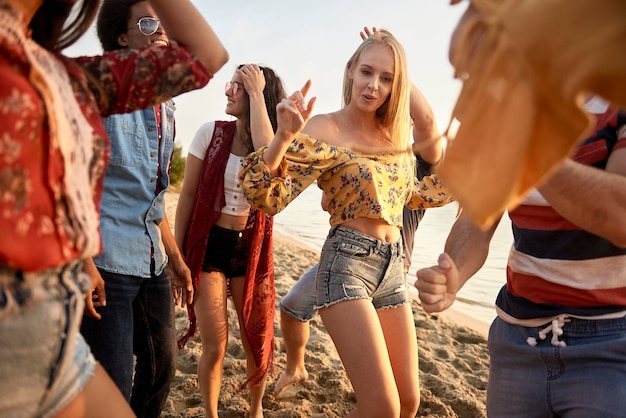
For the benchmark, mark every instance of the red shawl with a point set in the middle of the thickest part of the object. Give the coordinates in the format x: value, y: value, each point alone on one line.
x: 259, y: 293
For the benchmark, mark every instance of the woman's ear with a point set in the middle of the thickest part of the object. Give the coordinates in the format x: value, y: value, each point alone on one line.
x: 122, y: 40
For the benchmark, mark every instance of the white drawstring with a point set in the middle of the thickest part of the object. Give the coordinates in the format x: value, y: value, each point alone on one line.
x: 555, y: 328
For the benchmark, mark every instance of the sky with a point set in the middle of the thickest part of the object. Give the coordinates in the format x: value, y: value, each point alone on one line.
x: 314, y: 40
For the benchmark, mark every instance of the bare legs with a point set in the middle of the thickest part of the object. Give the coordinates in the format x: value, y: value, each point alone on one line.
x: 299, y: 303
x: 100, y: 398
x: 210, y: 308
x: 378, y: 350
x: 385, y: 381
x: 295, y: 334
x: 256, y: 392
x: 399, y: 329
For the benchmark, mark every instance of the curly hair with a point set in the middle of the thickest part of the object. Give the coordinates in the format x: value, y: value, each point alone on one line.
x: 113, y: 21
x: 57, y: 24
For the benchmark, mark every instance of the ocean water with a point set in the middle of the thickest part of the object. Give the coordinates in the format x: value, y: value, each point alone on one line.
x: 305, y: 221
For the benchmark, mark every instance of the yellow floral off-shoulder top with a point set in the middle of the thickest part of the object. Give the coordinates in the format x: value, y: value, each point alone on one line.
x: 356, y: 185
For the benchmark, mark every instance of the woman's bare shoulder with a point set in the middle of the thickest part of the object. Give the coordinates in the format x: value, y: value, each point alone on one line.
x: 322, y: 127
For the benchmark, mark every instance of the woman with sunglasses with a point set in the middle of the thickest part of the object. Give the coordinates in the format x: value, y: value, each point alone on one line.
x: 53, y: 155
x: 227, y: 245
x: 361, y: 158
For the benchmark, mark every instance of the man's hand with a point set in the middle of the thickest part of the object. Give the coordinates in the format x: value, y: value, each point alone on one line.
x: 97, y: 296
x: 438, y: 285
x: 182, y: 286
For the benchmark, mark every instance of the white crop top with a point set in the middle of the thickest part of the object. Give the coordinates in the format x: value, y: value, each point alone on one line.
x: 236, y: 203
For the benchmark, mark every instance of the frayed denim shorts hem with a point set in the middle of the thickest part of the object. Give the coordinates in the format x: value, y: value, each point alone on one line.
x: 397, y: 305
x: 73, y: 380
x: 354, y: 266
x: 44, y: 361
x: 382, y: 308
x: 344, y: 299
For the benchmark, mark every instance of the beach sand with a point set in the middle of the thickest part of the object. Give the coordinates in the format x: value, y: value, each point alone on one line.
x: 453, y: 360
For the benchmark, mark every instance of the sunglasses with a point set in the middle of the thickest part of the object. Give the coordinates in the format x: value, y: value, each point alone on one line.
x: 235, y: 85
x: 148, y: 25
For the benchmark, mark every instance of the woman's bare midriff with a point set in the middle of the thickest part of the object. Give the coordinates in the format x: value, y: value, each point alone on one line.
x: 376, y: 228
x: 236, y: 223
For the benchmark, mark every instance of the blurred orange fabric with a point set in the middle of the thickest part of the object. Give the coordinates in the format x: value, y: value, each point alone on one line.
x: 527, y: 67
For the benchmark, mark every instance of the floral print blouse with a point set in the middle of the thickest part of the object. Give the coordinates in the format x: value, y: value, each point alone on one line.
x: 38, y: 225
x: 356, y: 185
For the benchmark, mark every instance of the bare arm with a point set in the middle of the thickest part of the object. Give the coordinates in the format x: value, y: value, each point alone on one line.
x: 184, y: 24
x: 466, y: 250
x: 426, y: 137
x: 97, y: 296
x: 193, y: 168
x: 182, y: 288
x: 593, y: 199
x: 468, y: 246
x: 260, y: 125
x: 293, y: 113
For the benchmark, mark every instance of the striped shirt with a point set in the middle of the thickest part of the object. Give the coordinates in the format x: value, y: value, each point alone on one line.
x: 555, y: 267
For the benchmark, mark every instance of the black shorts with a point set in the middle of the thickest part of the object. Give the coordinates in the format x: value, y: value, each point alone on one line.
x: 227, y: 252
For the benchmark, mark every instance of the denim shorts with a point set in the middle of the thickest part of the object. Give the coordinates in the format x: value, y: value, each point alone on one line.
x: 585, y: 378
x: 227, y: 251
x: 354, y: 265
x: 44, y: 361
x: 299, y: 302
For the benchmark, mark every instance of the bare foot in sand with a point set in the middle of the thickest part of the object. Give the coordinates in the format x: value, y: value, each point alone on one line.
x: 287, y: 379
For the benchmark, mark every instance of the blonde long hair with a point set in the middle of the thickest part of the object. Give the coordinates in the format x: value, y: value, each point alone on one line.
x: 394, y: 114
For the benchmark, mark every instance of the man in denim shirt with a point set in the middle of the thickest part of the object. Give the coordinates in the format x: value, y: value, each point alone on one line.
x: 141, y: 263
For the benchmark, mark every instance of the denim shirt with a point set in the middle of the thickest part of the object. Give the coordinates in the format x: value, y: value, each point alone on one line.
x: 130, y: 210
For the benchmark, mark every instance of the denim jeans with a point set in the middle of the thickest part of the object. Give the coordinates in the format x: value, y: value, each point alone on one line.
x: 137, y: 320
x: 584, y: 379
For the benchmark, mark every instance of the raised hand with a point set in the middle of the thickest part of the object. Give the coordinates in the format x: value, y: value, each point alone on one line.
x: 366, y: 32
x: 293, y: 112
x: 253, y: 79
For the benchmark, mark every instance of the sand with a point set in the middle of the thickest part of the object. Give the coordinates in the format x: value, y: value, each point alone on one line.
x: 453, y: 360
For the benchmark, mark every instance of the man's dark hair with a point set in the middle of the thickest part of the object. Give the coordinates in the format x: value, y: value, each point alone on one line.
x: 113, y: 22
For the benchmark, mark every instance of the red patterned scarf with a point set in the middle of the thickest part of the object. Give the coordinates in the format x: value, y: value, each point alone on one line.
x: 259, y: 293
